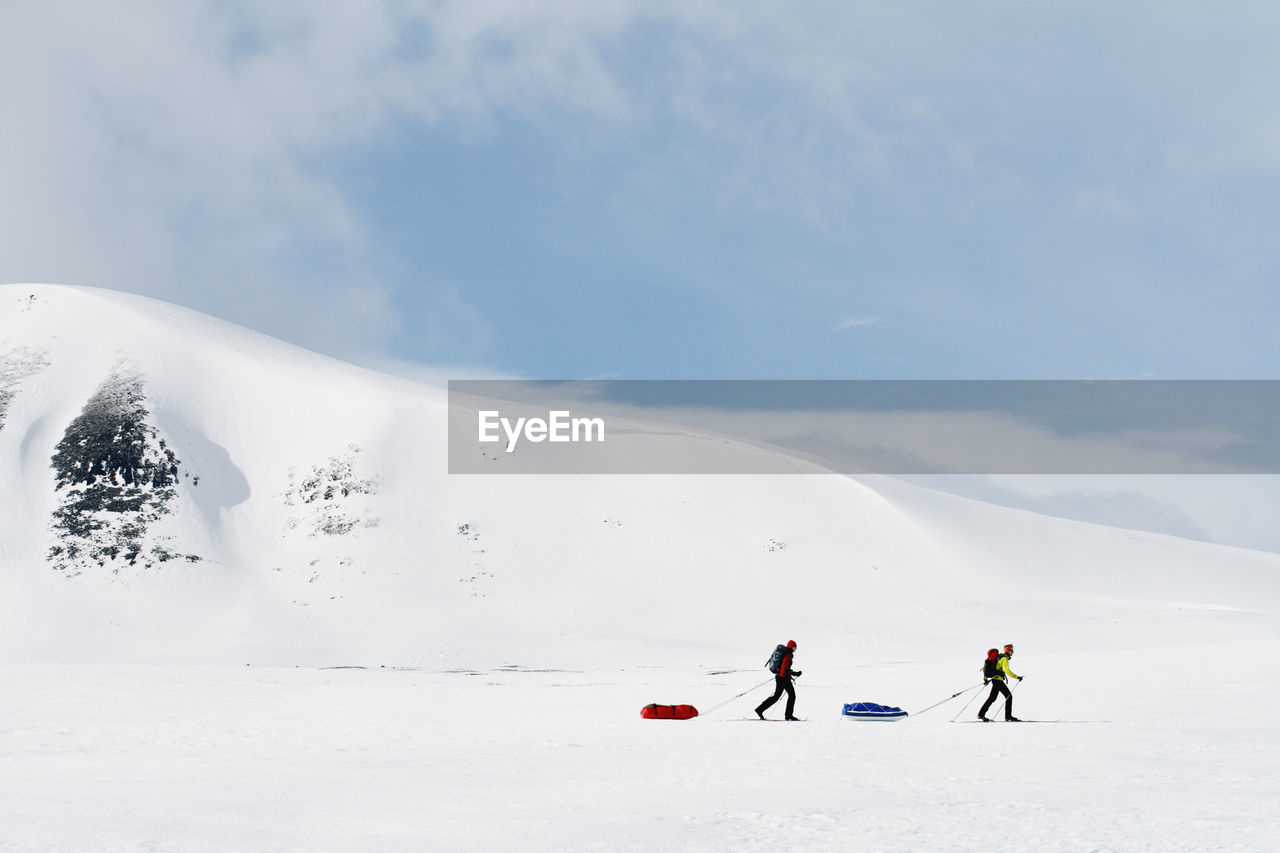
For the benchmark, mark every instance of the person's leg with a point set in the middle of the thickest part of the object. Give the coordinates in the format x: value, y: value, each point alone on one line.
x: 768, y: 703
x: 791, y: 700
x: 996, y: 685
x: 1008, y: 701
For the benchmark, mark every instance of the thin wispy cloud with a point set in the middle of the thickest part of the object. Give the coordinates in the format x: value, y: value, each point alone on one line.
x: 858, y: 322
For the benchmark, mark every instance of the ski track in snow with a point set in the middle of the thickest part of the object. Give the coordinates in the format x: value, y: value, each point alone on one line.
x: 218, y: 758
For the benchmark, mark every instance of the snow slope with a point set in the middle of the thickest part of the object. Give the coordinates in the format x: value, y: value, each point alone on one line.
x: 513, y: 627
x: 312, y: 521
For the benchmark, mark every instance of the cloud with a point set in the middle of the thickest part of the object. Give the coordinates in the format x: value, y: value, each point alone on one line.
x: 858, y: 322
x: 212, y: 153
x: 193, y: 151
x: 152, y: 161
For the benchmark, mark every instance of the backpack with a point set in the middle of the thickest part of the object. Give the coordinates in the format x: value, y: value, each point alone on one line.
x: 775, y: 660
x: 989, y: 669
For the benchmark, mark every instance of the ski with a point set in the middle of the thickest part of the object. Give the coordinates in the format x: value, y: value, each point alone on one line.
x: 1016, y: 721
x: 770, y: 720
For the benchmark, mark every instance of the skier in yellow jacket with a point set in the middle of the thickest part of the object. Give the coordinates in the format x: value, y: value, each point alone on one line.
x: 998, y: 686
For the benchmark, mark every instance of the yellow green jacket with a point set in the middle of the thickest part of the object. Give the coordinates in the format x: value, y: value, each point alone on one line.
x: 1002, y: 666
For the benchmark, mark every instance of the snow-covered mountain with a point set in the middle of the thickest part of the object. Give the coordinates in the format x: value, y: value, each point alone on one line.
x: 178, y: 488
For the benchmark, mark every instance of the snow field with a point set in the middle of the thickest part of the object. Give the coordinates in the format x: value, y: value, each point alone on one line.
x: 1167, y: 749
x: 129, y: 722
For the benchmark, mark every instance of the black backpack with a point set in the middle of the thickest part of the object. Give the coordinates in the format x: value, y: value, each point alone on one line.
x: 989, y: 669
x: 775, y: 660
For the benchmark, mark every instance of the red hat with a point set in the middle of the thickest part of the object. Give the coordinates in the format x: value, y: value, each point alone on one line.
x: 791, y: 644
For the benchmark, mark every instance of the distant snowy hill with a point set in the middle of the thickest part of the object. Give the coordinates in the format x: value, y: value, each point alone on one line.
x: 178, y: 488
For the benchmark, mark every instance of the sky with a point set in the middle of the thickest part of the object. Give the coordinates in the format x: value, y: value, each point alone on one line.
x: 648, y: 190
x: 651, y: 190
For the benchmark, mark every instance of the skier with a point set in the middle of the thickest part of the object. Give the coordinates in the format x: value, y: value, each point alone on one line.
x: 998, y: 686
x: 782, y: 682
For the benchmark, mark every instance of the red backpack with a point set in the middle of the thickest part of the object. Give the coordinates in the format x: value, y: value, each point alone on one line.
x: 989, y: 670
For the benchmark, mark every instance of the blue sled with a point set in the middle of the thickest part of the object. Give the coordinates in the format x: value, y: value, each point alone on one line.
x: 872, y: 711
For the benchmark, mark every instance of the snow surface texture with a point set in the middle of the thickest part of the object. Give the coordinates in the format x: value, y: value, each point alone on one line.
x: 113, y: 758
x: 305, y: 519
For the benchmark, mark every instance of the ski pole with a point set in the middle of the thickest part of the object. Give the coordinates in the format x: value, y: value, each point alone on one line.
x: 739, y: 696
x: 948, y: 699
x: 966, y: 704
x: 1005, y: 699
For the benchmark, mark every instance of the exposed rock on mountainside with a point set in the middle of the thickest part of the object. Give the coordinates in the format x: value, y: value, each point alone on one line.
x: 115, y: 477
x: 325, y: 497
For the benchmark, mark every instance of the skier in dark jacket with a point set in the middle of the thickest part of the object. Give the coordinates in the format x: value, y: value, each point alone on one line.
x: 782, y: 682
x: 998, y: 686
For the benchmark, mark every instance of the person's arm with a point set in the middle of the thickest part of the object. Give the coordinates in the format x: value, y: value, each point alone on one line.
x: 1004, y: 665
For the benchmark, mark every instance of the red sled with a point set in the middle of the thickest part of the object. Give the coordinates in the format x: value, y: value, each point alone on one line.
x: 668, y: 712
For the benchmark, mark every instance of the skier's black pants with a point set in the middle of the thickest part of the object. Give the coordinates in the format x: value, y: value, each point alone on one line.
x: 781, y: 683
x: 997, y: 687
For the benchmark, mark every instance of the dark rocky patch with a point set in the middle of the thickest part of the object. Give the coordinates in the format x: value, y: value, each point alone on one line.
x: 115, y: 477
